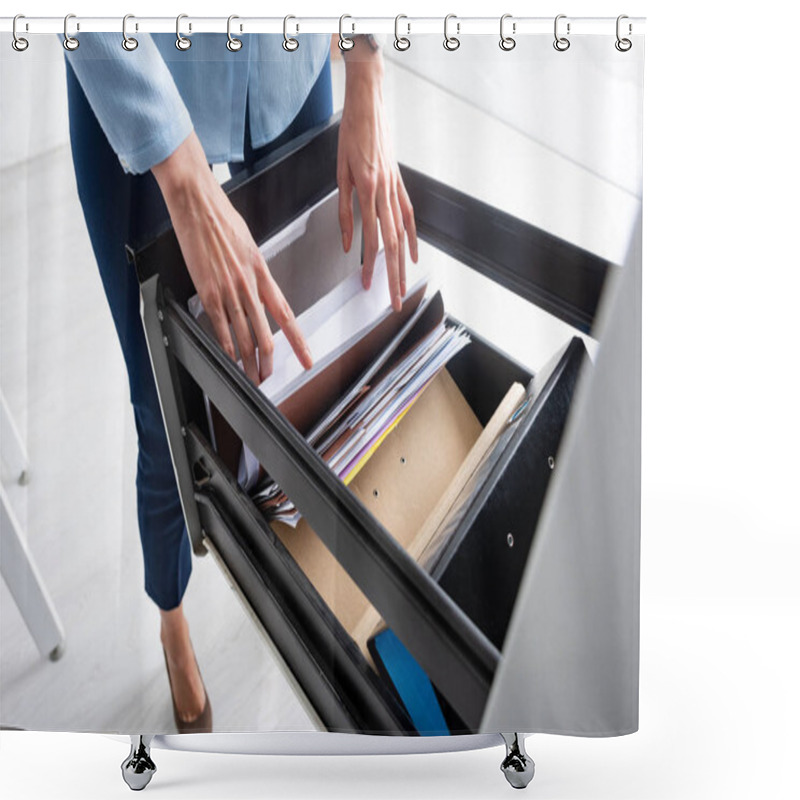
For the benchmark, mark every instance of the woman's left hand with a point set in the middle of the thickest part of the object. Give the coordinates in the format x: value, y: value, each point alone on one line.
x: 366, y: 164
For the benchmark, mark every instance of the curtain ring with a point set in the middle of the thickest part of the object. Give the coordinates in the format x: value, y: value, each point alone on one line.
x: 451, y: 42
x: 70, y: 42
x: 181, y: 42
x: 401, y: 43
x: 345, y: 42
x: 623, y: 45
x: 233, y: 44
x: 507, y: 42
x: 18, y: 42
x: 128, y: 42
x: 290, y: 44
x: 561, y: 43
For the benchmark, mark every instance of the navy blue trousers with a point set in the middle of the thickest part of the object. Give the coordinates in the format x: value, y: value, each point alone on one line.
x: 120, y: 208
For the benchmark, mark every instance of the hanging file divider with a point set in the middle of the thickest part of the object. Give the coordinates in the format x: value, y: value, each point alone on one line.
x: 560, y: 278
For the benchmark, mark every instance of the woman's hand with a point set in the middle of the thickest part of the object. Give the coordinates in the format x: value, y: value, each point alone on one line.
x: 366, y: 164
x: 226, y: 267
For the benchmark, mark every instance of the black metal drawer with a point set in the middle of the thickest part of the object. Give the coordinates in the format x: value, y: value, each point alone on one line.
x: 446, y: 624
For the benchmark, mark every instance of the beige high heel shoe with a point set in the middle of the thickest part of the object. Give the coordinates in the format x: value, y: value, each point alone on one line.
x: 201, y: 723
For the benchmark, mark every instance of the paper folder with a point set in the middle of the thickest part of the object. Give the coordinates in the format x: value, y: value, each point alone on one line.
x: 400, y: 485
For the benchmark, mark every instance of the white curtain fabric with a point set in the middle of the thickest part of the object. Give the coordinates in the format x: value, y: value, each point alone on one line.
x: 552, y: 138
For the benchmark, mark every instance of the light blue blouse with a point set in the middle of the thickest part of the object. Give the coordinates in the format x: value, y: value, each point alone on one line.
x: 148, y: 100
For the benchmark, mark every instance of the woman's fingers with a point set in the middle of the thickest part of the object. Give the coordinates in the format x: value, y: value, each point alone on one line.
x: 401, y: 233
x: 386, y: 202
x: 263, y: 335
x: 219, y: 321
x: 408, y: 217
x: 272, y: 297
x: 369, y: 221
x: 346, y: 211
x: 391, y: 245
x: 244, y: 338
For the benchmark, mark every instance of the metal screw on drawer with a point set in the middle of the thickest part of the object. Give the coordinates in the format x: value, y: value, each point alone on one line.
x: 510, y: 539
x: 402, y: 459
x: 374, y: 492
x: 551, y: 462
x: 166, y: 342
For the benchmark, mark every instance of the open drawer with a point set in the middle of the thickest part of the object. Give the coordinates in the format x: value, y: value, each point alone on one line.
x: 451, y: 617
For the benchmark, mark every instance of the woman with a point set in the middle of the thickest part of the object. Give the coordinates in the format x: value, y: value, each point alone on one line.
x: 144, y: 126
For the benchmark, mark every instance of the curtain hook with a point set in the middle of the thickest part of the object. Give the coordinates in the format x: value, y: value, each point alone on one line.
x: 451, y: 42
x: 561, y: 43
x: 70, y: 42
x: 18, y: 42
x: 290, y: 44
x: 623, y: 45
x: 401, y: 43
x: 507, y: 42
x: 345, y: 42
x: 181, y: 42
x: 128, y: 42
x: 233, y: 44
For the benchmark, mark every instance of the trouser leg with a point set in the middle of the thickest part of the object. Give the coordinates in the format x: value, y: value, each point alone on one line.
x: 118, y: 209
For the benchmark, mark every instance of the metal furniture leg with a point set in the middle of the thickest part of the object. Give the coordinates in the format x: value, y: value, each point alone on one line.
x: 26, y: 585
x: 517, y: 766
x: 13, y: 449
x: 138, y: 768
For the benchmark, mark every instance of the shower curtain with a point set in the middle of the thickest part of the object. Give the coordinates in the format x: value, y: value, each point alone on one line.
x: 404, y: 499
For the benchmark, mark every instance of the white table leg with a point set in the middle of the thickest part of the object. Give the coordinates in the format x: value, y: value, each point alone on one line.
x: 26, y: 586
x: 13, y: 448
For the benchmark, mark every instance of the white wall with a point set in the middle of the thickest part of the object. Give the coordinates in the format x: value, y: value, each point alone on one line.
x: 40, y: 125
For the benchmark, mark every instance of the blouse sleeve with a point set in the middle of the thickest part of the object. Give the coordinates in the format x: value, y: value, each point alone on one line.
x: 134, y: 97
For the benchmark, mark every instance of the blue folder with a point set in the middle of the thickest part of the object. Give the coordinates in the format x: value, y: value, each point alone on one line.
x: 410, y: 682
